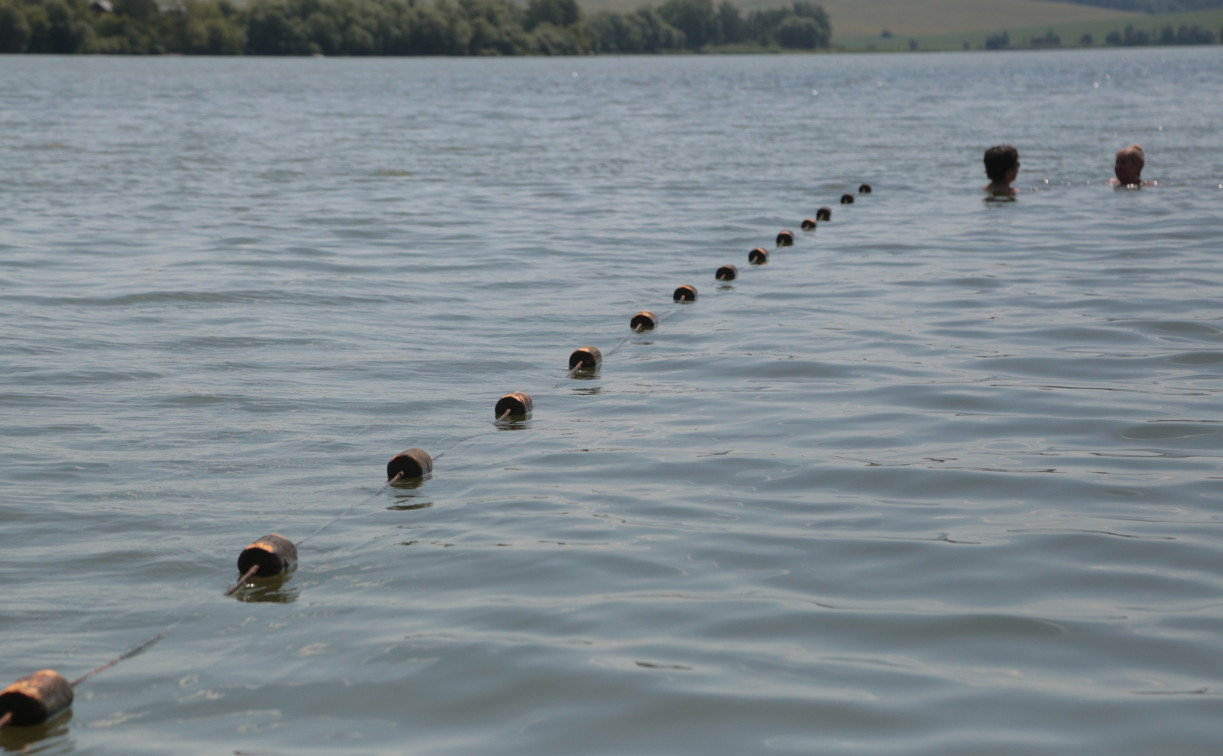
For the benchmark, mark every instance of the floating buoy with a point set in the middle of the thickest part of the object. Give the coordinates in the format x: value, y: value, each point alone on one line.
x: 272, y: 553
x: 808, y: 224
x: 513, y: 404
x: 35, y: 699
x: 685, y: 293
x: 758, y: 256
x: 644, y: 321
x: 823, y: 214
x: 785, y: 238
x: 864, y: 189
x: 727, y: 273
x: 585, y: 358
x: 413, y: 463
x: 847, y: 199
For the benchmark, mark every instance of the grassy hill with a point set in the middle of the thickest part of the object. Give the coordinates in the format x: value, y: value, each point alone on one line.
x: 917, y: 18
x: 1071, y: 33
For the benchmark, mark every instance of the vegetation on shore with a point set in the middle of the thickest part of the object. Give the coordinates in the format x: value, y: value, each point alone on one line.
x: 1154, y: 6
x: 541, y: 27
x: 399, y: 27
x: 1202, y: 27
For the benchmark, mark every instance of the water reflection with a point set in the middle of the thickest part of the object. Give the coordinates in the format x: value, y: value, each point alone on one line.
x: 410, y: 484
x: 268, y: 590
x: 408, y: 504
x: 30, y: 739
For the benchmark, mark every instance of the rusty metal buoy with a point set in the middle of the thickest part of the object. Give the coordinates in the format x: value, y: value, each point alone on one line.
x: 823, y: 214
x: 758, y: 256
x: 413, y: 463
x: 513, y: 404
x: 685, y: 293
x: 864, y: 189
x: 585, y: 358
x: 644, y: 321
x: 808, y: 224
x: 272, y: 553
x: 727, y: 273
x: 35, y: 699
x: 785, y: 238
x: 847, y: 199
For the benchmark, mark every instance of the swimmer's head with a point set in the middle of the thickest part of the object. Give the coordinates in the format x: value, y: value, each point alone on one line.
x: 1001, y: 160
x: 1128, y: 167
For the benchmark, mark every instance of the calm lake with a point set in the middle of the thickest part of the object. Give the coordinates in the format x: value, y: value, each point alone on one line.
x: 943, y: 478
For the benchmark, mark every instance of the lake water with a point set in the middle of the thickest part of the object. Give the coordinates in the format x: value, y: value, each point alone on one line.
x: 942, y: 478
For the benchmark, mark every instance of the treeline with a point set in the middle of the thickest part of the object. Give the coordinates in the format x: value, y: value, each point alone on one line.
x: 1185, y: 34
x: 1153, y: 6
x: 1194, y: 34
x: 398, y: 27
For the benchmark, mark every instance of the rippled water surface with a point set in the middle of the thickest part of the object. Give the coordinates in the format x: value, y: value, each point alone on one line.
x: 941, y: 478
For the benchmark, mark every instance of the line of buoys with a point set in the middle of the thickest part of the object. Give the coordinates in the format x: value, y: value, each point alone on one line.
x: 43, y: 695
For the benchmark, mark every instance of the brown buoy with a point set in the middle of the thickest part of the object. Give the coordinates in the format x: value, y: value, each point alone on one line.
x: 413, y: 463
x: 758, y: 256
x: 864, y: 189
x: 823, y: 214
x: 35, y: 699
x: 585, y: 358
x: 847, y: 199
x: 513, y: 404
x: 685, y: 293
x: 808, y: 224
x: 785, y: 238
x: 272, y: 553
x: 727, y: 273
x: 644, y: 321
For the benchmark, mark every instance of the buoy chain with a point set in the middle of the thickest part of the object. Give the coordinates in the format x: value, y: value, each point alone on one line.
x: 51, y: 694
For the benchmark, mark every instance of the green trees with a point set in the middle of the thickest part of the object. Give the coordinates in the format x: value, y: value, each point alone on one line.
x: 559, y: 13
x: 14, y: 29
x: 695, y: 19
x: 398, y: 27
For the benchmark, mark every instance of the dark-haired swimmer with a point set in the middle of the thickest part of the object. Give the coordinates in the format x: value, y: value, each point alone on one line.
x: 1128, y: 167
x: 1001, y: 166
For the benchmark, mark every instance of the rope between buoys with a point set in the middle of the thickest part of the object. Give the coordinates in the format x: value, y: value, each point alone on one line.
x: 624, y: 340
x: 465, y: 439
x: 249, y: 574
x: 125, y: 655
x: 351, y: 507
x: 572, y: 372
